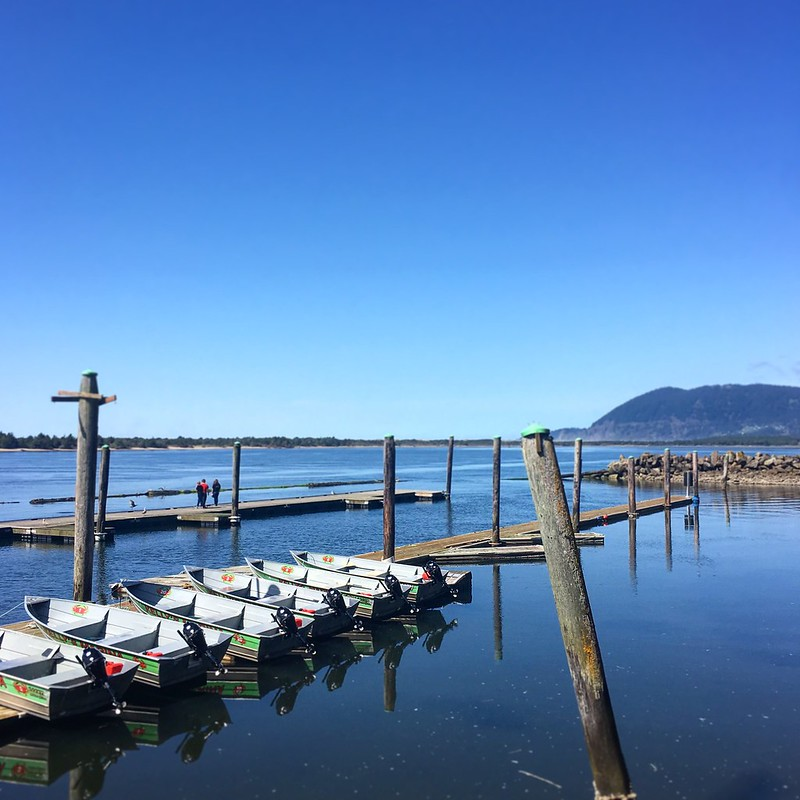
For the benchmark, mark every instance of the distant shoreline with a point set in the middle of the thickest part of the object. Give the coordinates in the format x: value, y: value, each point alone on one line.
x: 415, y: 443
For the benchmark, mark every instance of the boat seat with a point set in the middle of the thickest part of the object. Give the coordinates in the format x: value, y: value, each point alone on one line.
x: 224, y: 620
x: 62, y: 679
x: 14, y: 665
x: 133, y: 642
x: 260, y: 629
x: 89, y: 630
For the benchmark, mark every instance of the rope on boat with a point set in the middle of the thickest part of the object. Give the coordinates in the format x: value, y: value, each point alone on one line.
x: 11, y: 609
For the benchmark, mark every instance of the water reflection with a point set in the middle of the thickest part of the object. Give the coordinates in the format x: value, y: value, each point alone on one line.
x: 38, y: 753
x: 498, y: 613
x: 154, y: 719
x: 632, y: 552
x: 668, y: 538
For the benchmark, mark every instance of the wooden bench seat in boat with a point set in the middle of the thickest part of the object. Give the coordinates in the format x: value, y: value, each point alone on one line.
x: 224, y: 620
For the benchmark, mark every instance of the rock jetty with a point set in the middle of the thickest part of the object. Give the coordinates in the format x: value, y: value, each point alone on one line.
x: 760, y: 469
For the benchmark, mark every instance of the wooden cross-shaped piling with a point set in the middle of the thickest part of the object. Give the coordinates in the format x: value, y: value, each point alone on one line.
x: 89, y: 401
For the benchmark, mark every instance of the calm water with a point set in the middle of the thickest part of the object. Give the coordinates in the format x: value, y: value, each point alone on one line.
x: 700, y: 634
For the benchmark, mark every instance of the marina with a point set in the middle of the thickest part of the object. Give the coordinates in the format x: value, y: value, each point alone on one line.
x: 685, y: 598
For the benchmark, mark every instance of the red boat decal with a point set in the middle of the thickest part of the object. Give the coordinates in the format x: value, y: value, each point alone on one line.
x: 20, y: 687
x: 327, y: 559
x: 79, y: 609
x: 227, y: 577
x: 287, y: 569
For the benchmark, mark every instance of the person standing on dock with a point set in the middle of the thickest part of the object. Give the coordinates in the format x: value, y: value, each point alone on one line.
x: 199, y: 490
x: 215, y: 490
x: 204, y: 495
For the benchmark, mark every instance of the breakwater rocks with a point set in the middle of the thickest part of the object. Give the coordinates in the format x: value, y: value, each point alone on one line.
x: 759, y: 469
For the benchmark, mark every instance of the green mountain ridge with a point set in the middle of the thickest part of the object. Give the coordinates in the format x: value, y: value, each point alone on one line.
x: 756, y: 412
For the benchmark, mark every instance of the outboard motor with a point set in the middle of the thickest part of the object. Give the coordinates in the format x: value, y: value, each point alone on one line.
x: 433, y: 571
x: 286, y: 621
x: 193, y: 635
x: 334, y: 599
x: 94, y: 665
x: 394, y: 587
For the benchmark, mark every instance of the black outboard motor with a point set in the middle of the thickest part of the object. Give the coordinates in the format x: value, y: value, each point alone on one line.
x: 433, y: 571
x: 285, y: 620
x: 94, y: 665
x: 333, y: 598
x: 394, y: 587
x: 193, y: 635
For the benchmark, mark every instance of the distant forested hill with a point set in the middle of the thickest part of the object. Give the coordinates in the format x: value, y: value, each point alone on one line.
x: 756, y: 412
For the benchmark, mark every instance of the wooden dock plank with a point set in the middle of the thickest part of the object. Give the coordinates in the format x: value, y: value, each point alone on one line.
x: 441, y: 548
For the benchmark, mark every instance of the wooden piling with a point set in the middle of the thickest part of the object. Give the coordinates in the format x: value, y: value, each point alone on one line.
x: 631, y: 487
x: 667, y: 486
x: 237, y: 460
x: 496, y: 492
x: 449, y: 477
x: 575, y: 615
x: 695, y: 474
x: 725, y: 470
x: 102, y: 499
x: 388, y: 497
x: 576, y: 485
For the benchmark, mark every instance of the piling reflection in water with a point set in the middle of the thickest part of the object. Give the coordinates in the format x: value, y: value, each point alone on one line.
x: 668, y: 538
x: 632, y: 551
x: 498, y: 613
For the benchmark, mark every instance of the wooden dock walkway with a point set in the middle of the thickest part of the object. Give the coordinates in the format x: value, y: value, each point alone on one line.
x: 61, y: 529
x: 520, y: 542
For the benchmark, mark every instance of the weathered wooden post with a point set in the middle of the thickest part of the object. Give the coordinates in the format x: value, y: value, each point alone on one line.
x: 498, y: 613
x: 237, y: 462
x: 631, y: 487
x: 449, y: 477
x: 695, y: 476
x: 496, y: 492
x: 388, y: 497
x: 89, y: 402
x: 725, y: 470
x: 667, y: 486
x: 575, y: 615
x: 103, y: 491
x: 576, y: 485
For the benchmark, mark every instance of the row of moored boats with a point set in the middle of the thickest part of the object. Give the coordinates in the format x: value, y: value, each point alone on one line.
x: 93, y: 653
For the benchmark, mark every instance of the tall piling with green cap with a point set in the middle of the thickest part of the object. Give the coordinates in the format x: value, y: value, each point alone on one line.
x: 582, y: 648
x: 388, y: 497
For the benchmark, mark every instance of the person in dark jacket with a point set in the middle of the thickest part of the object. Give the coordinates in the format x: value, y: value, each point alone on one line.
x: 215, y: 490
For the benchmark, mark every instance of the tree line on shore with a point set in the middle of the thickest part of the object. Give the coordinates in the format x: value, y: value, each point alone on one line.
x: 42, y: 441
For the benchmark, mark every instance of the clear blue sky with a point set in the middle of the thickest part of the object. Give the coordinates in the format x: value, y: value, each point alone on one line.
x: 355, y: 218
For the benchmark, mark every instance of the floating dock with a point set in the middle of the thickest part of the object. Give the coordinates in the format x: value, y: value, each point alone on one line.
x: 522, y: 542
x: 61, y: 529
